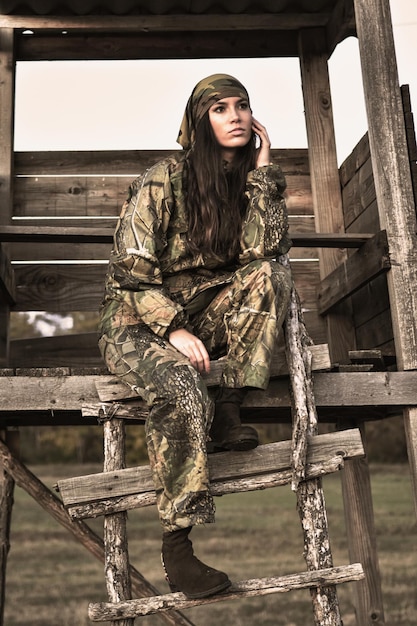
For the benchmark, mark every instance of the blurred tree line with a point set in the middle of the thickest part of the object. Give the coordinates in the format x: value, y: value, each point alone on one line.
x: 385, y: 439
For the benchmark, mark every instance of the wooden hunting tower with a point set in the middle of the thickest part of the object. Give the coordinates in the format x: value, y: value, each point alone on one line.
x: 354, y: 227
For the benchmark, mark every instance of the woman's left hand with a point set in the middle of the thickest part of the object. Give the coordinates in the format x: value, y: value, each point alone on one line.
x: 264, y: 156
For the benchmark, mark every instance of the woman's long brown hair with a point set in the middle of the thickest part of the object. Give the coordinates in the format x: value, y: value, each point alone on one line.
x: 215, y: 196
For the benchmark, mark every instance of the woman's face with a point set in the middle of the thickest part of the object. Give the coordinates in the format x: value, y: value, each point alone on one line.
x: 231, y: 121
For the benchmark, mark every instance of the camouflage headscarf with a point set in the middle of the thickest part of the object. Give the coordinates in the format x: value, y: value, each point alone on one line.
x: 205, y: 93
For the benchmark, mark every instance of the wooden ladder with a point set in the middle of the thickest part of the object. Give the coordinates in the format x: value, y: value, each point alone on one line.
x: 300, y: 462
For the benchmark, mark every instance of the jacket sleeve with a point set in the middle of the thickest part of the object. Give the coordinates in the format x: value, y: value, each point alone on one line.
x: 265, y: 228
x: 139, y: 240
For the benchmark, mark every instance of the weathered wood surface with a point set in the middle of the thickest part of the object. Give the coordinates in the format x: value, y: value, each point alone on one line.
x: 229, y: 472
x: 156, y: 45
x: 101, y: 612
x: 7, y: 484
x: 56, y: 394
x: 166, y: 23
x: 325, y: 183
x: 221, y: 488
x: 116, y: 563
x: 393, y: 185
x: 355, y: 272
x: 25, y: 479
x: 7, y: 82
x: 111, y: 388
x: 361, y: 531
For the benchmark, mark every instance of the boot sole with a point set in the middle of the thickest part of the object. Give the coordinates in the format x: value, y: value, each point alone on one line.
x: 203, y: 594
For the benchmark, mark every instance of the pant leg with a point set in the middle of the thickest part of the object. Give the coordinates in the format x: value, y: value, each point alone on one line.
x: 245, y: 319
x: 178, y: 423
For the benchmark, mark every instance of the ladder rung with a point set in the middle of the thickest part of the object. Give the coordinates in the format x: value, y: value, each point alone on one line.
x: 129, y: 609
x: 266, y: 466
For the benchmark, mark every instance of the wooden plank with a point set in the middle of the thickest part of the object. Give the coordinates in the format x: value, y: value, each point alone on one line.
x: 167, y: 23
x: 156, y: 45
x: 70, y: 350
x: 376, y: 332
x: 324, y: 173
x: 357, y: 270
x: 294, y: 162
x: 71, y: 234
x: 60, y: 288
x: 358, y: 194
x: 27, y: 393
x: 111, y: 388
x: 101, y: 612
x: 359, y: 155
x: 70, y: 196
x: 223, y: 467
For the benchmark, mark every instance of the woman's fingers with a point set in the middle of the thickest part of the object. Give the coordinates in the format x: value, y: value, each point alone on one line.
x: 192, y: 347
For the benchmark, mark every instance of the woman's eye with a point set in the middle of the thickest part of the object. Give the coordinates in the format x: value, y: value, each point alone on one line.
x: 219, y: 109
x: 244, y: 105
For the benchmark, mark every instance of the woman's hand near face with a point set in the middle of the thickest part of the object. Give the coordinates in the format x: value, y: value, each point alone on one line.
x: 192, y: 347
x: 264, y: 151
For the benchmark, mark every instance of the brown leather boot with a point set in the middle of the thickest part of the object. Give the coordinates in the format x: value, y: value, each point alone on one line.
x: 227, y: 431
x: 184, y: 572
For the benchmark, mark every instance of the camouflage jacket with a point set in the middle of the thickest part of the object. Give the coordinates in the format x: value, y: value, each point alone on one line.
x: 152, y: 278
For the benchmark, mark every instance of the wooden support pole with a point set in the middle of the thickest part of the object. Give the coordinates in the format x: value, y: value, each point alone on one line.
x: 324, y: 173
x: 11, y: 437
x: 118, y: 581
x: 359, y: 515
x: 7, y: 85
x: 393, y: 186
x: 25, y: 479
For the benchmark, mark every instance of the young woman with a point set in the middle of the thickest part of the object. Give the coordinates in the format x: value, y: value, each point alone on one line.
x: 193, y: 276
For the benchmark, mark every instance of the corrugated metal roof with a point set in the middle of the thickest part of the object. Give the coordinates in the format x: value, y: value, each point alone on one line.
x: 162, y: 7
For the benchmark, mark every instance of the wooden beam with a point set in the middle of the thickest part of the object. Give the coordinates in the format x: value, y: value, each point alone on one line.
x: 65, y: 393
x: 157, y: 45
x: 76, y: 234
x: 355, y: 272
x: 164, y: 23
x: 325, y: 182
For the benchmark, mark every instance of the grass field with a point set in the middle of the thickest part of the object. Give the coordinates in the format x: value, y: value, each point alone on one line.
x: 51, y: 579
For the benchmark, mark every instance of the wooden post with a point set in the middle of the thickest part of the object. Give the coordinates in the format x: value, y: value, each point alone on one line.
x: 118, y: 582
x: 359, y: 515
x: 324, y: 173
x: 11, y: 437
x: 7, y: 83
x: 393, y: 186
x: 329, y: 217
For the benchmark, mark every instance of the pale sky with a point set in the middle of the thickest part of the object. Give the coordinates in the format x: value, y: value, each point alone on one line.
x: 101, y: 105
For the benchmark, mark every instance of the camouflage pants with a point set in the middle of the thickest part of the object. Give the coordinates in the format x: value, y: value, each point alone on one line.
x: 242, y: 321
